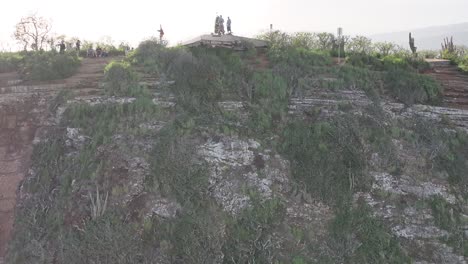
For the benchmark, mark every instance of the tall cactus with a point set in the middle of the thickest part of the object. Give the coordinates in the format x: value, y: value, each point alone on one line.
x: 411, y: 43
x: 448, y: 45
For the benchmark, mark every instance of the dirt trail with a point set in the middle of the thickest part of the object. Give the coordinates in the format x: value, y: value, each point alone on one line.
x: 454, y: 82
x: 23, y: 109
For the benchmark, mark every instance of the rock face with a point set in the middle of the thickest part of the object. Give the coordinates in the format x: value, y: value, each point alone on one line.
x: 237, y: 166
x: 402, y: 201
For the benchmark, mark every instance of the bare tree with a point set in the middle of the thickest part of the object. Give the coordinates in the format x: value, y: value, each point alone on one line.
x: 32, y: 31
x: 360, y: 44
x: 385, y: 48
x: 325, y: 40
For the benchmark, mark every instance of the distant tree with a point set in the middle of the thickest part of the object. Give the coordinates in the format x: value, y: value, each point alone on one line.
x: 33, y: 32
x: 385, y: 48
x: 277, y: 39
x: 305, y: 40
x: 360, y: 44
x: 325, y: 41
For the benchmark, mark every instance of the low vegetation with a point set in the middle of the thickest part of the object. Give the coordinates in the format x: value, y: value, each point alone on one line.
x: 44, y: 66
x: 120, y: 79
x: 10, y: 62
x: 74, y: 211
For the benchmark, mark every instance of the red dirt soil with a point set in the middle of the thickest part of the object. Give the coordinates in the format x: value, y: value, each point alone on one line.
x: 21, y: 113
x: 454, y: 82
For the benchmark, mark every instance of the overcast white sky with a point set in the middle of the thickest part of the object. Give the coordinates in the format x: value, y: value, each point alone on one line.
x: 181, y: 20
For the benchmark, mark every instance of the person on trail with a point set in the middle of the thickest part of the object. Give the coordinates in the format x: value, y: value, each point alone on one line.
x: 98, y: 52
x: 221, y: 25
x: 228, y: 24
x: 161, y: 33
x: 78, y: 45
x: 216, y: 25
x: 62, y: 47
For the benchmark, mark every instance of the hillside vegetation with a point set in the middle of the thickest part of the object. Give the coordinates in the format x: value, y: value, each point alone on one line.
x: 212, y: 165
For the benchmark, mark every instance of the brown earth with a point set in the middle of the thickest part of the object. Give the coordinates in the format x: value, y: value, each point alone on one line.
x: 23, y: 110
x: 454, y: 82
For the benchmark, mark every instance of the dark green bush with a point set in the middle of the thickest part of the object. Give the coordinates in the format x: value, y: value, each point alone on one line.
x: 248, y: 235
x: 389, y: 62
x: 10, y: 62
x: 393, y: 62
x: 235, y: 74
x: 147, y: 55
x: 106, y: 240
x: 198, y: 80
x: 452, y: 56
x: 45, y: 66
x: 120, y: 79
x: 359, y: 78
x: 376, y: 242
x: 419, y: 64
x: 153, y: 57
x: 454, y: 159
x: 364, y: 60
x: 445, y: 214
x: 412, y: 88
x: 463, y: 63
x: 300, y: 57
x: 270, y: 102
x: 327, y: 158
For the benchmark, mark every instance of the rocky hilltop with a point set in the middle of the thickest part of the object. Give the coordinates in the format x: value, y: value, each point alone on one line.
x: 199, y: 156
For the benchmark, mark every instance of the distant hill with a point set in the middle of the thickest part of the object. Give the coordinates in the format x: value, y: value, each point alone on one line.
x: 428, y: 38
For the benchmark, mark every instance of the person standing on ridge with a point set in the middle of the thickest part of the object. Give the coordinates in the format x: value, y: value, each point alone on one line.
x: 78, y: 45
x: 221, y: 25
x: 216, y: 31
x: 61, y: 47
x: 228, y: 24
x: 161, y: 33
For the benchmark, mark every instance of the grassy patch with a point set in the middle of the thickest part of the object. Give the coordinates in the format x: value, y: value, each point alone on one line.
x: 249, y: 235
x: 44, y: 66
x: 10, y: 61
x: 326, y: 157
x: 361, y: 238
x: 411, y: 88
x: 121, y: 80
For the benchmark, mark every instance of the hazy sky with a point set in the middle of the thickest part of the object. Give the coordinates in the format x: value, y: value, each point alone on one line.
x: 181, y: 20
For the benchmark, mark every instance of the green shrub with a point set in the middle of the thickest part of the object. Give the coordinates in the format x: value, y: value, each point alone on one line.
x: 445, y: 215
x: 393, y: 62
x: 358, y: 78
x: 463, y: 63
x: 452, y: 56
x: 327, y: 158
x: 454, y: 159
x: 120, y: 79
x: 248, y: 235
x: 198, y: 81
x: 45, y: 66
x: 153, y: 57
x: 428, y: 54
x: 411, y: 88
x: 10, y: 62
x: 300, y: 57
x: 106, y: 240
x: 419, y: 64
x: 364, y: 60
x: 376, y: 243
x: 270, y: 102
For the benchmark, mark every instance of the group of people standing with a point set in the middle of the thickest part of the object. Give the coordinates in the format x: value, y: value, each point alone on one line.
x: 62, y: 46
x: 90, y: 52
x: 219, y: 25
